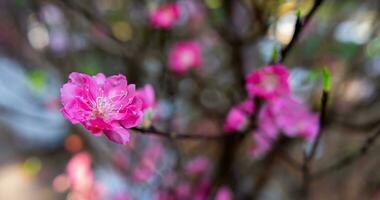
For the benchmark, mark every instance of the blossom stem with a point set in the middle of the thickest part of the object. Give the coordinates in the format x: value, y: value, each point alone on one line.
x: 153, y: 131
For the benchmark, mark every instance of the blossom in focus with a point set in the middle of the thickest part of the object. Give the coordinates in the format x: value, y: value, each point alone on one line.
x: 237, y: 117
x: 165, y: 16
x: 223, y: 193
x: 185, y: 55
x: 268, y: 82
x: 147, y: 95
x: 102, y: 104
x: 294, y: 118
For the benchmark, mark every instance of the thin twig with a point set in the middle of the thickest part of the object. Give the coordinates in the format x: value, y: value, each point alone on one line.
x: 322, y: 118
x: 362, y: 151
x: 153, y: 131
x: 308, y: 157
x: 299, y: 27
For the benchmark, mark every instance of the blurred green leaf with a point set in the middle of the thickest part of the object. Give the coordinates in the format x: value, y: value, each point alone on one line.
x: 32, y: 165
x: 274, y: 57
x: 373, y: 48
x: 213, y: 4
x: 37, y: 79
x: 326, y: 76
x: 298, y: 13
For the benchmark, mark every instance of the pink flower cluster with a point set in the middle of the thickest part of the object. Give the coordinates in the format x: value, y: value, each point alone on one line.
x: 106, y: 105
x: 165, y: 16
x: 146, y: 167
x: 198, y: 165
x: 237, y: 117
x: 282, y: 113
x: 184, y: 56
x: 268, y: 82
x: 81, y: 178
x: 223, y: 193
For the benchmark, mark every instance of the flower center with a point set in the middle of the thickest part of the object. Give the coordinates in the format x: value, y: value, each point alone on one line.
x: 270, y: 82
x: 187, y: 58
x: 102, y: 107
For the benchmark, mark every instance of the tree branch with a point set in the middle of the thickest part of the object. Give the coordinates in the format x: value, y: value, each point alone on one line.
x: 153, y: 131
x: 362, y: 151
x: 309, y: 157
x: 299, y: 27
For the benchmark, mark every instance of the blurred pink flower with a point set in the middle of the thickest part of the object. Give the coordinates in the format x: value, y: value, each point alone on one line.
x: 223, y: 193
x: 147, y: 165
x: 183, y: 190
x: 294, y: 118
x: 197, y: 165
x: 102, y: 104
x: 266, y: 122
x: 121, y: 196
x: 262, y: 144
x: 237, y: 117
x: 165, y: 16
x: 81, y: 178
x: 147, y: 95
x: 266, y: 133
x: 236, y: 120
x: 268, y: 82
x: 202, y: 190
x: 185, y: 55
x: 79, y: 172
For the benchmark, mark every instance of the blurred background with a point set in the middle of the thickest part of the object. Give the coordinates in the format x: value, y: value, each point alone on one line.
x: 42, y: 41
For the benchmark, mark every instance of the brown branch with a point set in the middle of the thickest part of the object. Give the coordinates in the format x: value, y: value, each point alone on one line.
x: 309, y: 157
x: 102, y: 26
x: 362, y: 151
x: 299, y: 27
x: 153, y: 131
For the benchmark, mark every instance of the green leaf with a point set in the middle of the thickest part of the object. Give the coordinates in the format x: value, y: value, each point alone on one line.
x: 37, y: 79
x: 298, y: 13
x: 274, y: 57
x: 32, y: 165
x: 326, y: 75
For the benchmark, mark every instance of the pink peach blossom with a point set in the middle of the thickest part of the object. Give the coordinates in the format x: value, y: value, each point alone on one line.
x: 81, y: 178
x: 197, y: 165
x: 262, y: 144
x: 79, y: 172
x: 266, y: 122
x: 223, y: 193
x: 294, y: 118
x: 183, y: 190
x: 268, y: 82
x: 165, y: 16
x: 248, y: 106
x: 147, y: 95
x: 185, y: 55
x: 102, y: 104
x: 236, y: 120
x: 237, y: 117
x: 147, y: 165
